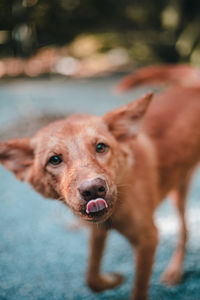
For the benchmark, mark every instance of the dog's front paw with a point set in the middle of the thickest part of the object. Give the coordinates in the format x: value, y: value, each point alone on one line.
x: 172, y: 276
x: 105, y: 282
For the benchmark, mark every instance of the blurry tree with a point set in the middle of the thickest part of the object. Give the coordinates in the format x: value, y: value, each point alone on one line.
x: 168, y: 30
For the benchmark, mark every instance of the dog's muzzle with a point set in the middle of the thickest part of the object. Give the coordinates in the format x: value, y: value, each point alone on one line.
x: 94, y: 191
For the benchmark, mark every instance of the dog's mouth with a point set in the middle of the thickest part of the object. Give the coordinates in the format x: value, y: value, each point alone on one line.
x: 96, y: 206
x: 95, y: 210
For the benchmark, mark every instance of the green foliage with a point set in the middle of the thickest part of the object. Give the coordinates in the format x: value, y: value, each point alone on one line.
x: 161, y: 30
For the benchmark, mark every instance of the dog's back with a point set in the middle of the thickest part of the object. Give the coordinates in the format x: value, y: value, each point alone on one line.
x: 173, y: 120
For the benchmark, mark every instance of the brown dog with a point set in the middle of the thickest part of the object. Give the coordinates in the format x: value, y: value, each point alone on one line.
x: 115, y: 170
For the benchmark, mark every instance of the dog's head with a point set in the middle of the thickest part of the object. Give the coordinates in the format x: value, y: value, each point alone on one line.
x: 79, y: 160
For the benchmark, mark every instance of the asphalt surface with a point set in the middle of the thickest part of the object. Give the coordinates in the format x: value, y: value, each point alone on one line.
x: 42, y: 256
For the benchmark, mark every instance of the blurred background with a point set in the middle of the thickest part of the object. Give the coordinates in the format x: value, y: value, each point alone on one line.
x: 90, y: 37
x: 65, y: 56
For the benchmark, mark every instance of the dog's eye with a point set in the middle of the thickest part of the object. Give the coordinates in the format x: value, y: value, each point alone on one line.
x: 101, y: 147
x: 55, y: 160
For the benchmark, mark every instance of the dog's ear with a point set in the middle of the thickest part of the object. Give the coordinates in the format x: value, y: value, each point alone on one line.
x: 125, y: 121
x: 17, y: 156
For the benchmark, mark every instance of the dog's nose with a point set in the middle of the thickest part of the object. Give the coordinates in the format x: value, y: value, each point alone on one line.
x: 92, y: 189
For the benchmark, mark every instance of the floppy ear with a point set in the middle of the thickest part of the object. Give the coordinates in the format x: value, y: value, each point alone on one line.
x: 125, y: 121
x: 17, y: 156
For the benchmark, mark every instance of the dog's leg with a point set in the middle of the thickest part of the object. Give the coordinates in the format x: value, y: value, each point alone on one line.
x: 145, y: 254
x: 96, y: 281
x: 174, y: 271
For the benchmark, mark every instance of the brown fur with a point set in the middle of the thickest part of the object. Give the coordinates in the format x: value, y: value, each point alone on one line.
x: 153, y: 150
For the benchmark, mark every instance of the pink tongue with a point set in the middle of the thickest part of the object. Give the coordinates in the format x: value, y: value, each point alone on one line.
x: 96, y: 205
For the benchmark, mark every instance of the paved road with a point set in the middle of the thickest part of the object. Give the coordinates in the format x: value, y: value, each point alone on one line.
x: 41, y: 256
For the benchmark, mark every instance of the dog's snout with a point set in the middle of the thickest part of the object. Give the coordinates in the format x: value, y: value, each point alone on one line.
x: 92, y: 189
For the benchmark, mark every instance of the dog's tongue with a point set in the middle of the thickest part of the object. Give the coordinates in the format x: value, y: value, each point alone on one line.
x: 96, y: 205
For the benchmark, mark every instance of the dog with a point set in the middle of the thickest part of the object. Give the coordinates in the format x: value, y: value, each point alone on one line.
x: 115, y: 170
